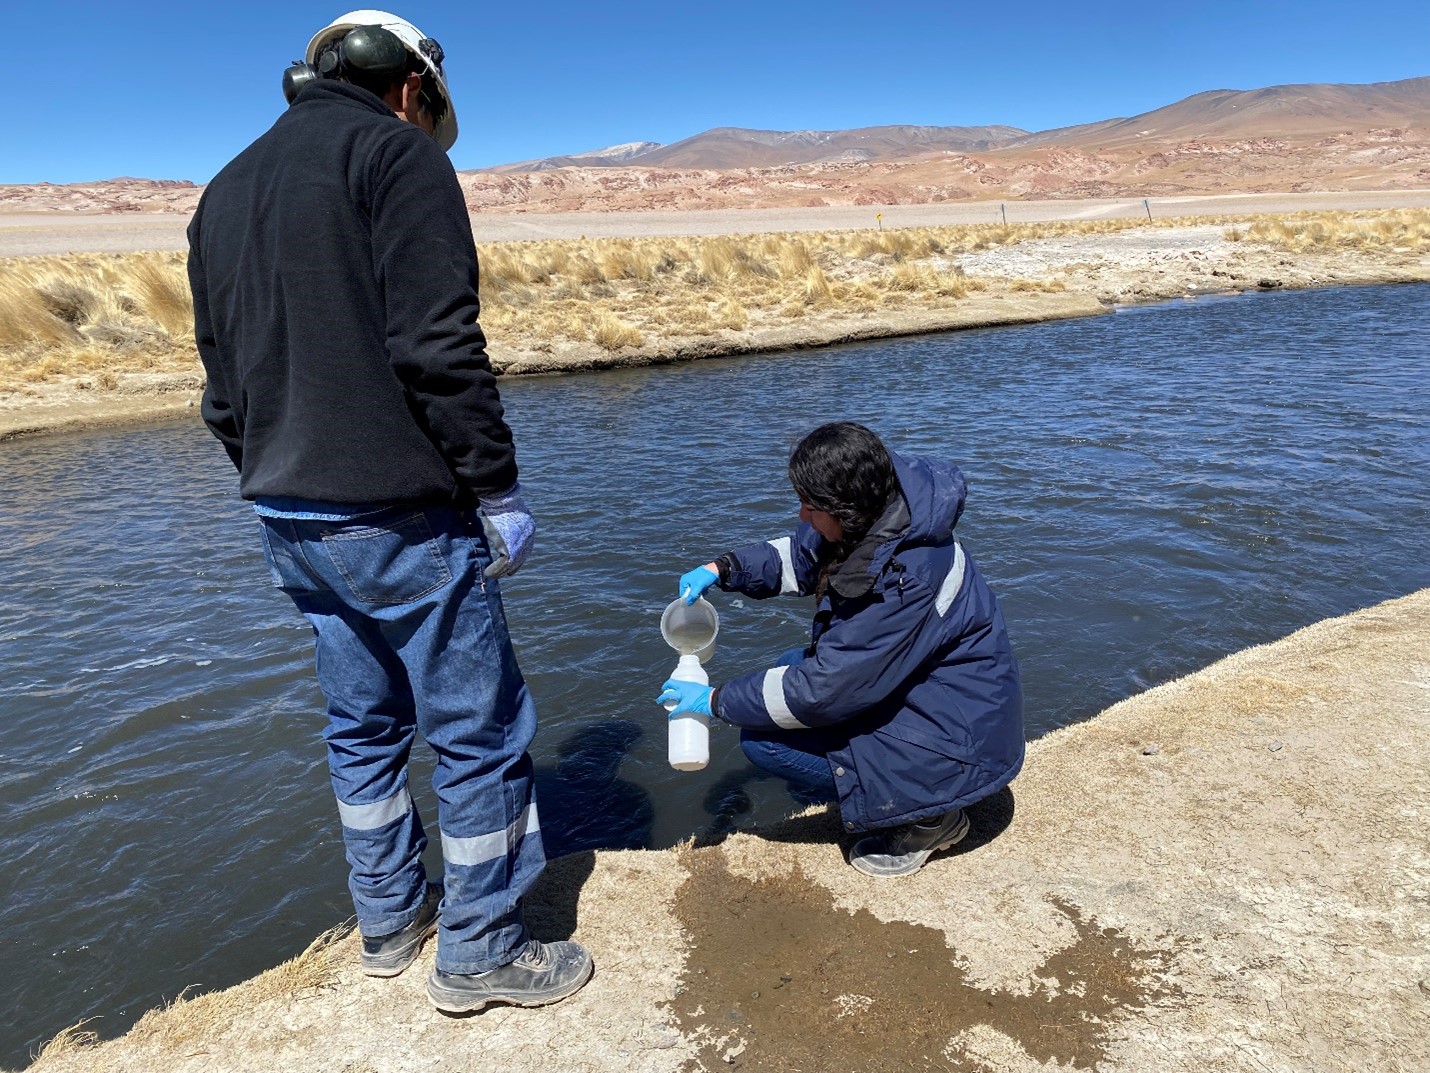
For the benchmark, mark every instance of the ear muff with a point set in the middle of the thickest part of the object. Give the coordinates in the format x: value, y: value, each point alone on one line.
x: 363, y: 52
x: 298, y: 75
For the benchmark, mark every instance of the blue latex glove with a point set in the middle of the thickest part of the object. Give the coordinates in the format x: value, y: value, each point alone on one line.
x: 510, y: 528
x: 687, y: 696
x: 693, y: 583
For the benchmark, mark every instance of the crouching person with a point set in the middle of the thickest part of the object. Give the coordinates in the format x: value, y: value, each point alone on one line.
x: 906, y: 707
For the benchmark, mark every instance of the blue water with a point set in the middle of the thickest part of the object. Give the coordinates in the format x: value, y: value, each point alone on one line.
x: 1148, y: 491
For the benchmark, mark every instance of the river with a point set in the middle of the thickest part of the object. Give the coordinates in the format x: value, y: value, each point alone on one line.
x: 1148, y: 491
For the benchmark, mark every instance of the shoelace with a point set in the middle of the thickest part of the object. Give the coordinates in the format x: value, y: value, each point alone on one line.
x: 534, y: 956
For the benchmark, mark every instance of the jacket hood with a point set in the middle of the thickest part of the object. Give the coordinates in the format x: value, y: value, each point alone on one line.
x: 935, y: 491
x: 926, y: 510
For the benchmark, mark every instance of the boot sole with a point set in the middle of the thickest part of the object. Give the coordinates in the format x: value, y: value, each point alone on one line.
x: 396, y: 964
x: 462, y: 1002
x: 920, y: 858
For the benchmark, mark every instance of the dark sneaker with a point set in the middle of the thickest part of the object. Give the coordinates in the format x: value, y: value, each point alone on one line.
x: 902, y: 851
x: 390, y: 954
x: 545, y: 972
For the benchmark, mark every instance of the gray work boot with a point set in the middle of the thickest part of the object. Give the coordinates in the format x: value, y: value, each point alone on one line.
x: 902, y: 851
x: 390, y: 954
x: 543, y: 973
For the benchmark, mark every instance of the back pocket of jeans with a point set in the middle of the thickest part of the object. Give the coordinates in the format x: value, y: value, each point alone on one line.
x: 389, y: 564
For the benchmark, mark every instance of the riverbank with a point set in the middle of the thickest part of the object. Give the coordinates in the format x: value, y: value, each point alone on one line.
x: 573, y: 305
x: 1224, y: 873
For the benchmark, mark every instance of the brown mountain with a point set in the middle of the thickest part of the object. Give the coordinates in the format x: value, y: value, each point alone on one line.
x: 736, y: 147
x: 1319, y: 110
x: 1279, y: 139
x: 1308, y: 110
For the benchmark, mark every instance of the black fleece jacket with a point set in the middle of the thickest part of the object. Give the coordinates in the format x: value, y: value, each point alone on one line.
x: 335, y: 309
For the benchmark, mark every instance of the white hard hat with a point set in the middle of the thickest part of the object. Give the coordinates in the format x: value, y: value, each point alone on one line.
x: 421, y: 46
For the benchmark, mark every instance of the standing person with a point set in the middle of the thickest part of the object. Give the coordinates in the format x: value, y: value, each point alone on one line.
x: 335, y: 309
x: 906, y: 706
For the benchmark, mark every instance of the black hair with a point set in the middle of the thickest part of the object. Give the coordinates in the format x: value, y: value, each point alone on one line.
x: 844, y: 469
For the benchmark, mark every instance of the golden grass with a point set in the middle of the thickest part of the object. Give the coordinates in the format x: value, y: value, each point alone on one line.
x: 67, y: 1041
x: 92, y: 317
x: 1392, y: 231
x: 619, y: 293
x: 94, y: 313
x: 185, y: 1021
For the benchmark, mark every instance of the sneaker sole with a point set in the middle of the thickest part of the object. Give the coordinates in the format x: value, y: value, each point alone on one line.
x: 397, y: 963
x: 462, y: 1002
x: 920, y: 858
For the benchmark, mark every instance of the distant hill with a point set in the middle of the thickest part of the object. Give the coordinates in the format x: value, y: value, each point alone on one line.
x: 1278, y: 139
x: 736, y: 147
x: 1312, y: 109
x: 613, y: 156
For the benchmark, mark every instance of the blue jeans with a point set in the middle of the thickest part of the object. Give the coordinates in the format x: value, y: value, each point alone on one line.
x: 797, y: 756
x: 411, y: 636
x: 800, y: 757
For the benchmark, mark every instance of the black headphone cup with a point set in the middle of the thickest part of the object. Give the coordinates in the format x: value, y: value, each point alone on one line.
x: 298, y: 75
x: 374, y: 50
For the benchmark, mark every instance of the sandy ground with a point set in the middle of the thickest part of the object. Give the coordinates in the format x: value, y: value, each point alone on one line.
x: 34, y: 233
x: 1227, y: 873
x: 1088, y: 275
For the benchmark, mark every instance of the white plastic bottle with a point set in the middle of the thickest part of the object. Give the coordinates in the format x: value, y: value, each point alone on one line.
x: 689, y: 733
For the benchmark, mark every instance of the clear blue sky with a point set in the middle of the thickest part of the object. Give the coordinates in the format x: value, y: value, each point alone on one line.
x: 169, y: 90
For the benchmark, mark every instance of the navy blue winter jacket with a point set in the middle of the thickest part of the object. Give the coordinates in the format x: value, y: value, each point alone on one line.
x: 909, y: 656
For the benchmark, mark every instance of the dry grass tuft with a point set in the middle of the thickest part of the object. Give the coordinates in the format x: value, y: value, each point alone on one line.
x: 612, y: 333
x: 187, y: 1020
x: 1394, y: 231
x: 67, y: 1042
x: 93, y: 313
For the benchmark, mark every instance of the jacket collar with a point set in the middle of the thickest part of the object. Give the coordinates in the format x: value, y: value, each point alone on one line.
x: 330, y: 89
x: 854, y: 577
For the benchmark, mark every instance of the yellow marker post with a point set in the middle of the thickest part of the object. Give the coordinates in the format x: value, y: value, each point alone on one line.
x: 880, y: 217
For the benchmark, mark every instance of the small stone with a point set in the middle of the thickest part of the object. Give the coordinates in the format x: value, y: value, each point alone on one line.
x: 1276, y: 746
x: 754, y: 994
x: 1151, y: 749
x: 1425, y: 986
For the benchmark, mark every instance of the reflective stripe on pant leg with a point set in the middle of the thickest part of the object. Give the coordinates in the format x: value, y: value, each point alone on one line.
x: 375, y: 814
x: 478, y: 849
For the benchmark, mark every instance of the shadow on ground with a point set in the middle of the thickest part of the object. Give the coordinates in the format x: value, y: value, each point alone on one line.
x: 584, y: 807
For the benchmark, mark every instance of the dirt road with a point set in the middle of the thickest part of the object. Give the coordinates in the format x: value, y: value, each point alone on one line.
x: 32, y: 234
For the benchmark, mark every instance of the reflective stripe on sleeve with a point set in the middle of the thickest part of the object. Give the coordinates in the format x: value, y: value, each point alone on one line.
x: 952, y: 583
x: 478, y: 849
x: 773, y: 692
x: 376, y: 814
x: 788, y: 582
